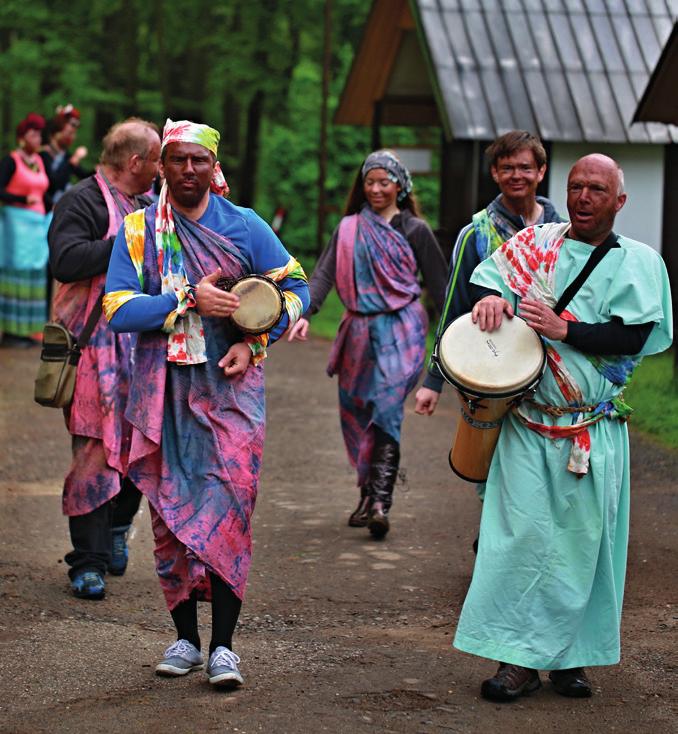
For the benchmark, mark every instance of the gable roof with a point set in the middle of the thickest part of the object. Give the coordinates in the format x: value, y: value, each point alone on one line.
x: 569, y: 70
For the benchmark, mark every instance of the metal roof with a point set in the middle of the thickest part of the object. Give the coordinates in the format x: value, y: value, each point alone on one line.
x: 569, y: 70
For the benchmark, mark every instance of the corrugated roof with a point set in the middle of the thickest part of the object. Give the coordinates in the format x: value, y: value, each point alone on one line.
x: 570, y: 70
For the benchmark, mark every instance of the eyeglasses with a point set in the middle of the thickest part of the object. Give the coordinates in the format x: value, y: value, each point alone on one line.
x: 506, y: 170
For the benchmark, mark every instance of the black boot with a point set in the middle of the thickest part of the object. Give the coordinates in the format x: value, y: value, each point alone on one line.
x: 358, y: 518
x: 383, y: 475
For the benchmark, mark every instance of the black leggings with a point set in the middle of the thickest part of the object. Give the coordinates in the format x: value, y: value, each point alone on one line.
x: 225, y: 613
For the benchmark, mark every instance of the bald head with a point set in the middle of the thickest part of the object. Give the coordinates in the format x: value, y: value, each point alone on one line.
x: 131, y: 155
x: 595, y: 193
x: 600, y: 162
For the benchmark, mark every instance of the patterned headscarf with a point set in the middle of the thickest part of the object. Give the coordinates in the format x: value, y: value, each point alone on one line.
x: 395, y: 170
x: 185, y: 131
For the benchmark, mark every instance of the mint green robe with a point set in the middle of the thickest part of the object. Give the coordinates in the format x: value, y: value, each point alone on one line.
x: 548, y: 582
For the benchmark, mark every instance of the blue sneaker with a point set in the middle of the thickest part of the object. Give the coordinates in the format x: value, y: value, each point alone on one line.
x: 222, y: 669
x: 119, y: 551
x: 88, y: 585
x: 181, y: 657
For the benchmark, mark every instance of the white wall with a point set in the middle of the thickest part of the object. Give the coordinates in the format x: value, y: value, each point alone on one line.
x: 643, y: 165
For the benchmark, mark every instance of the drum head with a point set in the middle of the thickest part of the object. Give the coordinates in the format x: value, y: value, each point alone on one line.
x: 261, y: 304
x: 501, y: 363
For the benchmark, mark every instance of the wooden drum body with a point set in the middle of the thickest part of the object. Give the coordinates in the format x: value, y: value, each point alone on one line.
x: 492, y: 371
x: 262, y: 303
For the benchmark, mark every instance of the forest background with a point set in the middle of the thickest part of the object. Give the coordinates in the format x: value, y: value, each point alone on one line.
x: 252, y: 70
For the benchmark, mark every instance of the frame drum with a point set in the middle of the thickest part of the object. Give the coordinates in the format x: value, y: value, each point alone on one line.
x: 492, y: 371
x: 262, y: 303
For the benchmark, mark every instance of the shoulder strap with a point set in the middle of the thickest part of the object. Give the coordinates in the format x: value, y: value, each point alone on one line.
x: 91, y: 323
x: 595, y: 257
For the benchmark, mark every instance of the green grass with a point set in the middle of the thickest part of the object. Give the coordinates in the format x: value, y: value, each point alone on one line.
x: 653, y: 393
x: 326, y: 322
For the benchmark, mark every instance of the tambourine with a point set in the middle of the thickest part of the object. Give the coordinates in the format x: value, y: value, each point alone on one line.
x: 262, y: 303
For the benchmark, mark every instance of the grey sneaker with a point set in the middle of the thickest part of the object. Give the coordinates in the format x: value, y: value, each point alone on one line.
x: 181, y: 657
x: 222, y: 669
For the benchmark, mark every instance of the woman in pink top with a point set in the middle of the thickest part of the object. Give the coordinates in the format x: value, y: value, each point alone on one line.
x: 23, y: 237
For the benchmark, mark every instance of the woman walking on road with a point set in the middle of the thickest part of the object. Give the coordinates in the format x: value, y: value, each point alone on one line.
x: 374, y: 258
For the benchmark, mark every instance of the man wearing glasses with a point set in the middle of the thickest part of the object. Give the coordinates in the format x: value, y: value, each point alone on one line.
x: 517, y: 164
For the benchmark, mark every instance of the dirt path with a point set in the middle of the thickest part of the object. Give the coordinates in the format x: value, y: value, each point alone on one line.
x: 339, y: 633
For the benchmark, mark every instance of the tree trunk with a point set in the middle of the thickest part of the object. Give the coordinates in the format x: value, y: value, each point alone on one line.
x: 248, y: 170
x: 5, y: 94
x: 161, y: 60
x: 230, y: 140
x: 322, y: 152
x: 130, y: 57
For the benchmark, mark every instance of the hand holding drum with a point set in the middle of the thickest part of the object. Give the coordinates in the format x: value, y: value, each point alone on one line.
x: 261, y: 303
x: 543, y: 319
x: 211, y: 300
x: 488, y: 313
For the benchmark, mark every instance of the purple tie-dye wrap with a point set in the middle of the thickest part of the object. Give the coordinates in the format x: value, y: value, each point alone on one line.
x: 380, y: 348
x: 95, y: 418
x: 198, y: 436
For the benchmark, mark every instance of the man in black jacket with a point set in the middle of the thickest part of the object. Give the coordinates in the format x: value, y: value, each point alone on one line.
x: 98, y: 498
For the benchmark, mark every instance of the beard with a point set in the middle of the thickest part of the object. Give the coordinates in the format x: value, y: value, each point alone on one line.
x: 189, y: 198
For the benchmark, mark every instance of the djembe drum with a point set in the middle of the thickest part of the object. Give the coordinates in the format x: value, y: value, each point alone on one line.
x: 262, y: 303
x: 492, y: 371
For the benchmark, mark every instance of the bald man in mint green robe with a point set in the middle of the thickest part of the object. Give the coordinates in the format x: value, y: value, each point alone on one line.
x: 548, y: 582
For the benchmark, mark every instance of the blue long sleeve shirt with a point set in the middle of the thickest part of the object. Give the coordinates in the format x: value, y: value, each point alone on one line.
x: 243, y: 227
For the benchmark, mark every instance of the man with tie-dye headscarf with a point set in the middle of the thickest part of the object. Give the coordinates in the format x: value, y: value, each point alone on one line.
x: 197, y: 398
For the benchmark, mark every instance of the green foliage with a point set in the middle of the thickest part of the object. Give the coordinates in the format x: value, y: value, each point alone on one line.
x: 653, y: 394
x: 326, y: 322
x: 206, y: 61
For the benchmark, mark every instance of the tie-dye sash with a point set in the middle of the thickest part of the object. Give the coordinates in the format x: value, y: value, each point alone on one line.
x: 527, y: 263
x: 380, y: 346
x: 492, y: 229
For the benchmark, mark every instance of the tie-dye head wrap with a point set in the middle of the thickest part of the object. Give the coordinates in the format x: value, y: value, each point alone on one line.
x: 185, y: 131
x: 395, y: 170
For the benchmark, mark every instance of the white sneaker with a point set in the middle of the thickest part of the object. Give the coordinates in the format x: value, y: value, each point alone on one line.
x: 222, y: 669
x: 181, y: 657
